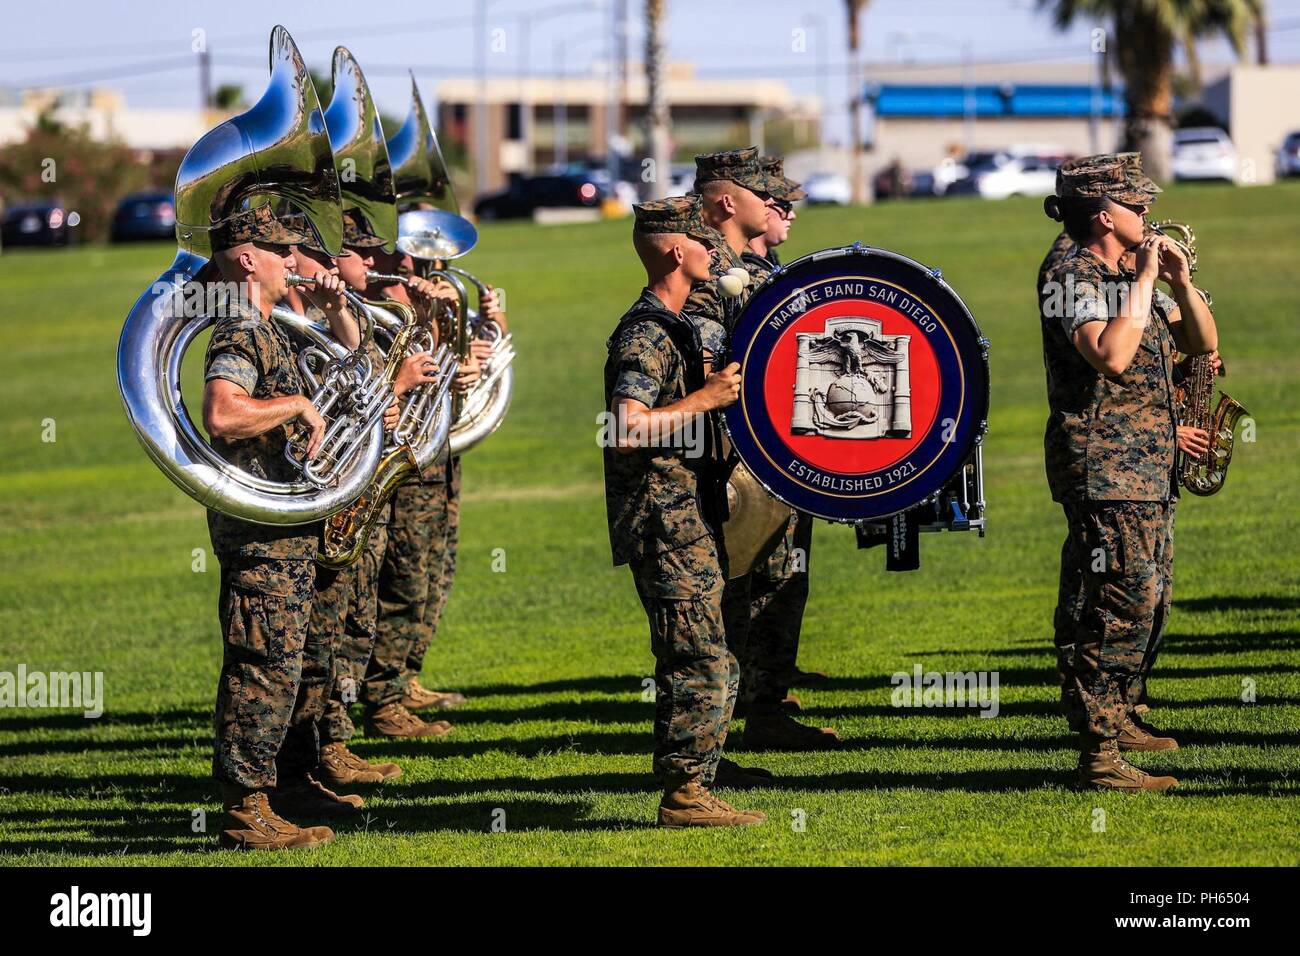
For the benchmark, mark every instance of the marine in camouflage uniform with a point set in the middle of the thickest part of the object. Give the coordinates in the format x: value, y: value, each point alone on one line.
x: 267, y: 571
x: 1071, y: 581
x: 665, y: 508
x: 1109, y: 451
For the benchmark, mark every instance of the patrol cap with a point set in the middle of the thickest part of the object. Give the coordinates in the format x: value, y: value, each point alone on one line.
x: 677, y: 214
x: 740, y: 166
x: 1133, y: 166
x: 357, y: 231
x: 258, y: 224
x: 1105, y: 175
x: 782, y: 187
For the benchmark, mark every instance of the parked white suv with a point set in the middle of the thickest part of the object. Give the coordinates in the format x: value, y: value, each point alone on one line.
x: 1204, y: 152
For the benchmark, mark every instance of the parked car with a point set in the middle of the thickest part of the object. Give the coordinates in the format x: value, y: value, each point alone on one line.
x: 1204, y: 152
x: 526, y: 194
x: 828, y: 189
x: 148, y: 215
x: 1288, y: 156
x: 41, y: 223
x: 997, y: 175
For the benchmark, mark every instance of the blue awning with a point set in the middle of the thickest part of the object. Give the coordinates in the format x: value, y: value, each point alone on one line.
x: 988, y: 100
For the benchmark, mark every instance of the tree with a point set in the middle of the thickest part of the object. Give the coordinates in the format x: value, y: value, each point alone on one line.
x: 656, y: 116
x: 1144, y: 34
x: 853, y: 9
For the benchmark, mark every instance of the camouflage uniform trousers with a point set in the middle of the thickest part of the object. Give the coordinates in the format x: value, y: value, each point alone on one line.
x: 264, y: 608
x: 413, y: 561
x: 358, y: 641
x: 442, y: 573
x: 301, y: 751
x: 696, y: 674
x: 1113, y: 604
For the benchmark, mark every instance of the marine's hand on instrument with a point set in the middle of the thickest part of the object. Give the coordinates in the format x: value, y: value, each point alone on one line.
x: 1146, y: 257
x: 481, y: 349
x: 468, y: 373
x: 391, y: 414
x: 326, y: 293
x: 417, y: 369
x: 1193, y: 441
x: 490, y: 305
x: 315, y: 426
x: 722, y: 388
x: 1173, y: 266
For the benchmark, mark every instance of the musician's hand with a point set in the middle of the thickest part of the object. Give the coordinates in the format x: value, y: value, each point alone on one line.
x: 490, y: 306
x: 722, y: 388
x: 391, y: 414
x: 1194, y: 442
x: 1172, y: 263
x: 327, y: 294
x: 416, y: 369
x: 1216, y: 363
x: 481, y: 349
x: 1146, y: 258
x: 315, y: 426
x: 468, y: 374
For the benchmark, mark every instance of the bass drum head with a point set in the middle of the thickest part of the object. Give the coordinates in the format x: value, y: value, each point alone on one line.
x: 864, y: 384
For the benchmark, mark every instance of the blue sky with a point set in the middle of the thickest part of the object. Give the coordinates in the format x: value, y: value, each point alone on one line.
x: 143, y: 48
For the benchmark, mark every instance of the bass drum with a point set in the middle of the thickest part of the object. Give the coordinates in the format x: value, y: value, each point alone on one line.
x: 865, y: 385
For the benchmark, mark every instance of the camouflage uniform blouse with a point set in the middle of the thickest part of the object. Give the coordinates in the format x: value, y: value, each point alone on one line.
x: 256, y: 355
x: 651, y: 494
x: 1109, y: 437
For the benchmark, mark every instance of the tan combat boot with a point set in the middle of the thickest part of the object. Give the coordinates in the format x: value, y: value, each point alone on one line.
x: 1141, y: 709
x: 421, y: 698
x: 1133, y: 736
x: 732, y: 774
x: 394, y: 720
x: 1102, y: 768
x: 340, y: 767
x: 692, y: 805
x: 308, y: 797
x: 251, y: 824
x: 781, y: 732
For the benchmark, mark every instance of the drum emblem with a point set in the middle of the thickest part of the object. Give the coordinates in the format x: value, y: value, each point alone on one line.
x: 852, y: 381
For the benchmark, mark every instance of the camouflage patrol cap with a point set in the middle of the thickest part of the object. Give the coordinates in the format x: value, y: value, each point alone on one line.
x: 677, y: 214
x: 782, y: 187
x: 740, y: 166
x: 1133, y: 167
x: 357, y: 231
x: 258, y: 224
x: 1105, y: 175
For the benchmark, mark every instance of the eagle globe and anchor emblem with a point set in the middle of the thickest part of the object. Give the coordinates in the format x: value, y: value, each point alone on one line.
x: 852, y: 381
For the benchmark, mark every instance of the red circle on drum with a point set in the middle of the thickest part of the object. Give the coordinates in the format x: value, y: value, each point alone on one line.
x: 853, y: 456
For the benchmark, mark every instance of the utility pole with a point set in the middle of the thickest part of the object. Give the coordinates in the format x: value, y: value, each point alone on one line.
x: 656, y: 117
x: 480, y: 105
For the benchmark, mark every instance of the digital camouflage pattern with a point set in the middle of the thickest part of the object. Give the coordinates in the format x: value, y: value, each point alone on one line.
x: 651, y: 494
x: 1108, y: 438
x: 764, y: 611
x: 358, y: 640
x: 1107, y: 174
x: 264, y: 607
x: 258, y: 224
x: 301, y: 750
x: 743, y: 167
x: 676, y: 215
x: 779, y: 185
x: 442, y: 571
x: 1061, y: 247
x: 255, y: 354
x: 758, y: 267
x: 696, y: 674
x: 1116, y: 586
x: 416, y: 531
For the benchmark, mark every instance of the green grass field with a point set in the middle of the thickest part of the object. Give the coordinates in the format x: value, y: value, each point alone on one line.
x: 95, y: 575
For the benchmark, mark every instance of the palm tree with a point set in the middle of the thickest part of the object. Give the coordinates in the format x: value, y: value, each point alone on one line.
x: 656, y: 115
x: 853, y: 8
x: 1144, y: 34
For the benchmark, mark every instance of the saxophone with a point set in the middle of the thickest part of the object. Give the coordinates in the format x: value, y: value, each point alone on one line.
x: 1202, y: 475
x: 346, y: 532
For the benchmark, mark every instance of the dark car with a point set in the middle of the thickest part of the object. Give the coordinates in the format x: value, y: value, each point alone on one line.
x: 526, y: 194
x: 150, y: 215
x: 35, y: 224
